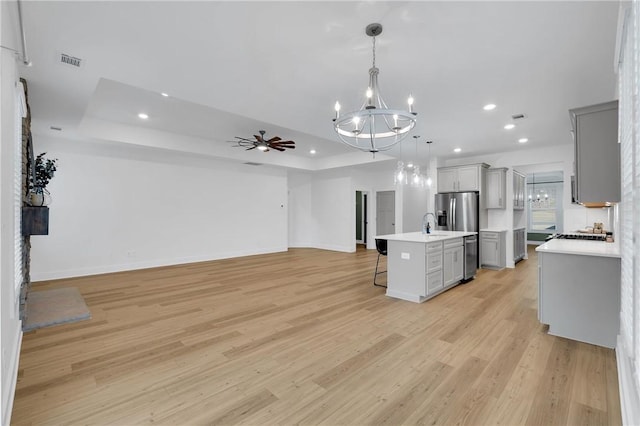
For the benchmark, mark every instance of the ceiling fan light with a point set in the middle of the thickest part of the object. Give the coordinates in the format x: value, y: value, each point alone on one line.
x: 262, y: 147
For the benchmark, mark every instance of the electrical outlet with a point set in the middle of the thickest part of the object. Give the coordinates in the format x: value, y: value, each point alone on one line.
x: 405, y: 256
x: 131, y: 253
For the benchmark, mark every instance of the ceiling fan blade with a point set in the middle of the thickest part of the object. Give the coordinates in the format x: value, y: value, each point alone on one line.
x: 258, y: 138
x: 274, y: 139
x: 277, y: 148
x: 243, y: 139
x: 281, y: 147
x: 250, y: 148
x: 284, y: 143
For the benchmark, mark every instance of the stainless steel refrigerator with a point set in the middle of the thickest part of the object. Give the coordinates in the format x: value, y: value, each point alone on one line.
x: 460, y: 211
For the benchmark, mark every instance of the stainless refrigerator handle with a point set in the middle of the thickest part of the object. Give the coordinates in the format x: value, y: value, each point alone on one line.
x: 453, y: 214
x: 450, y: 221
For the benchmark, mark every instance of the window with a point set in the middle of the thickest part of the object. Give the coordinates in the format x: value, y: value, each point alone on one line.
x: 544, y: 202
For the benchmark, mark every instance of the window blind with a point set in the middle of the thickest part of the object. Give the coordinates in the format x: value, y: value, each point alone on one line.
x: 629, y: 235
x: 635, y: 142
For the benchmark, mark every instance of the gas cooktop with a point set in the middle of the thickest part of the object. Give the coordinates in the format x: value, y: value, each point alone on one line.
x: 579, y: 236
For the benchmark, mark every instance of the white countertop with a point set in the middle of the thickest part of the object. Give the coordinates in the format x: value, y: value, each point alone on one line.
x: 419, y: 237
x: 581, y: 247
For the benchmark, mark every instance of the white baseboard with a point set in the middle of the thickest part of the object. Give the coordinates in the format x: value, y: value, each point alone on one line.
x: 629, y: 393
x: 106, y: 269
x: 9, y: 387
x: 332, y: 247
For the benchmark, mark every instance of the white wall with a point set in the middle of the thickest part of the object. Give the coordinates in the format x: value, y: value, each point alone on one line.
x: 301, y: 221
x: 9, y: 297
x: 322, y: 205
x: 117, y: 208
x: 322, y: 210
x: 414, y: 206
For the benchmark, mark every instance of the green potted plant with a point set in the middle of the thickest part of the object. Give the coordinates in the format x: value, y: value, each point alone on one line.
x: 42, y: 171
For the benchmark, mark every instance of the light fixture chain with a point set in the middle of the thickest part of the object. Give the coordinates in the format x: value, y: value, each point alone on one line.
x: 374, y: 51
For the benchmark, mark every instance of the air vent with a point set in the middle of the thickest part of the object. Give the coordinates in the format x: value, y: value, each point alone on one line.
x: 56, y: 128
x: 70, y: 60
x: 249, y: 163
x: 518, y: 116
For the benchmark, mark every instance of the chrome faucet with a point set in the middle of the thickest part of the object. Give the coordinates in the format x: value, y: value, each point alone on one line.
x: 426, y: 229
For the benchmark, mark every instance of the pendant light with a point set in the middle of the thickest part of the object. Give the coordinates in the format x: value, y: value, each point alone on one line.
x: 417, y: 180
x: 400, y: 175
x: 429, y: 181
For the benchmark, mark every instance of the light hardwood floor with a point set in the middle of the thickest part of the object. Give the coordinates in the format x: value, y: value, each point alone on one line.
x: 304, y: 337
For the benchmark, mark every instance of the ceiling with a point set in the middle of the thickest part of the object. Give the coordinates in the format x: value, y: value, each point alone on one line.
x: 233, y: 68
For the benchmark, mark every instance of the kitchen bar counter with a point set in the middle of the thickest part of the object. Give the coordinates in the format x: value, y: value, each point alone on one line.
x: 419, y: 237
x: 421, y: 266
x: 581, y: 247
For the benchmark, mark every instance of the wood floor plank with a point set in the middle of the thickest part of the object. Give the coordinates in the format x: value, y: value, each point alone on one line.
x: 303, y: 337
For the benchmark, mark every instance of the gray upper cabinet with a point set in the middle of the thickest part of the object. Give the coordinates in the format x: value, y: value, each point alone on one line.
x: 597, y: 153
x: 496, y: 188
x: 518, y: 190
x: 462, y: 178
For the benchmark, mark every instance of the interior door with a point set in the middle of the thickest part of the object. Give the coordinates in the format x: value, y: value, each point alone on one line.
x: 385, y: 212
x: 359, y: 218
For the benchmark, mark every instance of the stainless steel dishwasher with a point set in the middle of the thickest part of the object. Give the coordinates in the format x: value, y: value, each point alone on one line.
x: 470, y: 257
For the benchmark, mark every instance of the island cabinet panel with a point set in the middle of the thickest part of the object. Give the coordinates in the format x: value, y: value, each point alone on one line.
x: 434, y: 261
x: 434, y: 282
x: 453, y: 263
x: 579, y: 296
x: 406, y: 264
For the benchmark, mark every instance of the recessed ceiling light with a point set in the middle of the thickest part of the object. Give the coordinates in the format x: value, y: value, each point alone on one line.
x: 509, y: 126
x: 313, y: 151
x: 489, y: 107
x: 523, y: 140
x: 164, y: 94
x: 410, y: 165
x: 457, y: 150
x: 143, y: 116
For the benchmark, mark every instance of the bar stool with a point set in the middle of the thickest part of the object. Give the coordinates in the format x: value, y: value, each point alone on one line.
x: 381, y: 246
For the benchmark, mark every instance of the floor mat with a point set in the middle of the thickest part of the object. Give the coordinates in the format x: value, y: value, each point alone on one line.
x: 52, y: 307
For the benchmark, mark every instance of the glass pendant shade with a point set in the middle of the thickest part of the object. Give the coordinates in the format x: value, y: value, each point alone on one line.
x: 417, y: 181
x: 400, y: 175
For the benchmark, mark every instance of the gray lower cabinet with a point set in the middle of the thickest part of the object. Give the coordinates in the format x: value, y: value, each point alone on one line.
x: 492, y: 249
x: 434, y: 283
x: 579, y: 297
x: 453, y: 261
x: 519, y: 244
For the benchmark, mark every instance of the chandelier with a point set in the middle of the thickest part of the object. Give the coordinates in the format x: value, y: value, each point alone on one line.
x: 374, y: 127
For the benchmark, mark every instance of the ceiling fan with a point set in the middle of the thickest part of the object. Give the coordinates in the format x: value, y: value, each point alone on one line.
x: 264, y: 145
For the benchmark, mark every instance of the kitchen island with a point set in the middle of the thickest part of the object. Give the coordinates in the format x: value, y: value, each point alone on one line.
x: 579, y: 290
x: 421, y: 266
